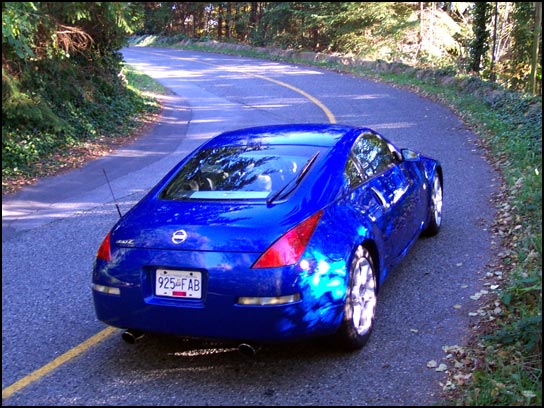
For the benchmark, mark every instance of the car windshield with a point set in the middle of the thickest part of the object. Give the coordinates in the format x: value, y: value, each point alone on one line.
x: 237, y: 172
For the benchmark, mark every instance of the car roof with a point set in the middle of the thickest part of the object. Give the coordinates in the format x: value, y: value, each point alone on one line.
x: 317, y: 134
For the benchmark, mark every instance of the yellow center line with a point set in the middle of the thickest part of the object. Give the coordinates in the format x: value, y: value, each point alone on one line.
x: 316, y: 101
x: 313, y: 99
x: 46, y: 369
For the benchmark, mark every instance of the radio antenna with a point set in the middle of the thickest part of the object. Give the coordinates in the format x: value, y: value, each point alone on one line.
x: 113, y: 195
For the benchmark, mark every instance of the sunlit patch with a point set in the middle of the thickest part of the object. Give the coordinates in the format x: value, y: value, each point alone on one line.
x: 203, y: 352
x: 316, y: 279
x: 323, y: 267
x: 339, y: 293
x: 324, y: 288
x: 269, y: 301
x: 362, y: 231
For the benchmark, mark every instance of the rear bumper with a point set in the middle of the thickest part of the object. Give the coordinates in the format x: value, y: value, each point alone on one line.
x: 320, y: 291
x: 219, y: 317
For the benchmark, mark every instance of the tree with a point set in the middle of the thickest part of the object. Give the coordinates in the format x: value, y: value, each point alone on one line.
x: 537, y: 34
x: 480, y: 44
x: 522, y: 47
x: 45, y: 41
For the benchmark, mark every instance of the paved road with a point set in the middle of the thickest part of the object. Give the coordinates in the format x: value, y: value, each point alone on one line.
x: 51, y: 232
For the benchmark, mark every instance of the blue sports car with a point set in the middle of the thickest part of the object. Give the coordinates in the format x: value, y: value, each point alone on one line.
x: 269, y: 234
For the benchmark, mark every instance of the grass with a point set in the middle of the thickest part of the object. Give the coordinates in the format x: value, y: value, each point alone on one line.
x: 142, y: 83
x: 501, y: 364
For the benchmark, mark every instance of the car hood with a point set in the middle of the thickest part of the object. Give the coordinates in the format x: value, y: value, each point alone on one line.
x: 203, y: 226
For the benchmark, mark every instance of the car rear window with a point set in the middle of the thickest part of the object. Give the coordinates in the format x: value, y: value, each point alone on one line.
x: 237, y: 172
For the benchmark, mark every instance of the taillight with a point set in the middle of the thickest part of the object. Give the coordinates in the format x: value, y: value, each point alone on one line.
x: 289, y: 247
x: 104, y: 252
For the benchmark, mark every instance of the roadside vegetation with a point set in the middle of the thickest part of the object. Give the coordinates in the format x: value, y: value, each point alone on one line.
x: 46, y: 146
x: 67, y: 96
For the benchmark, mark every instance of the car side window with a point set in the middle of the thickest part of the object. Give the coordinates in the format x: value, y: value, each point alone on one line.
x: 373, y: 154
x: 352, y: 173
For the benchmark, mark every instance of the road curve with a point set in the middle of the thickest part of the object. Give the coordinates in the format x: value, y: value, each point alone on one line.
x: 51, y: 232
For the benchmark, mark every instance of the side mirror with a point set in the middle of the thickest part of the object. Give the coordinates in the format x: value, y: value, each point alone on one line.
x: 409, y: 155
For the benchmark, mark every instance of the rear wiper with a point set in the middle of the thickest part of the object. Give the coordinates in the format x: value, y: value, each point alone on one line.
x: 296, y: 180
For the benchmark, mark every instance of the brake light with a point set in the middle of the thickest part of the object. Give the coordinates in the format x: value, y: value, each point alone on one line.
x: 104, y: 252
x: 289, y: 247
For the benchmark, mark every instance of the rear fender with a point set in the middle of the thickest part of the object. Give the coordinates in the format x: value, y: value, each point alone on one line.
x: 430, y: 168
x: 353, y: 234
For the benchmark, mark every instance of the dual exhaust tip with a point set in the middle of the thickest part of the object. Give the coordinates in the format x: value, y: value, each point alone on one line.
x: 132, y: 336
x: 246, y: 349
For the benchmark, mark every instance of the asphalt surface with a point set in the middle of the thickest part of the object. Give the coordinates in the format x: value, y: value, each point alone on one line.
x: 51, y: 231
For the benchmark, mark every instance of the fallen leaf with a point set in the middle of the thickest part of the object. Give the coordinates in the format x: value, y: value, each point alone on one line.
x: 449, y: 386
x: 528, y: 394
x: 432, y: 364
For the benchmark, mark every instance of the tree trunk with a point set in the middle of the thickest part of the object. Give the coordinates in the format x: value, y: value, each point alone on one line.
x: 536, y: 43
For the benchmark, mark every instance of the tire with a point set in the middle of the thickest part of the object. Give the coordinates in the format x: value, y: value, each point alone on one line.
x: 435, y: 208
x: 360, y: 304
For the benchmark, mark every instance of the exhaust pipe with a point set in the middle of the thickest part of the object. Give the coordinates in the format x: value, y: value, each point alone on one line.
x: 248, y: 350
x: 131, y: 336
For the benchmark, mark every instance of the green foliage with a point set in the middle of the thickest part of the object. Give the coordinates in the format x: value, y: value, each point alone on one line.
x: 19, y: 26
x: 133, y: 17
x: 103, y: 22
x: 140, y: 82
x: 67, y: 89
x: 333, y: 27
x: 522, y: 34
x: 283, y: 23
x: 526, y: 330
x: 480, y: 44
x: 26, y: 109
x: 370, y: 29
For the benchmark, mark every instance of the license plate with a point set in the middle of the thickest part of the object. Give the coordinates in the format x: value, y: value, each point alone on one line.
x: 178, y: 284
